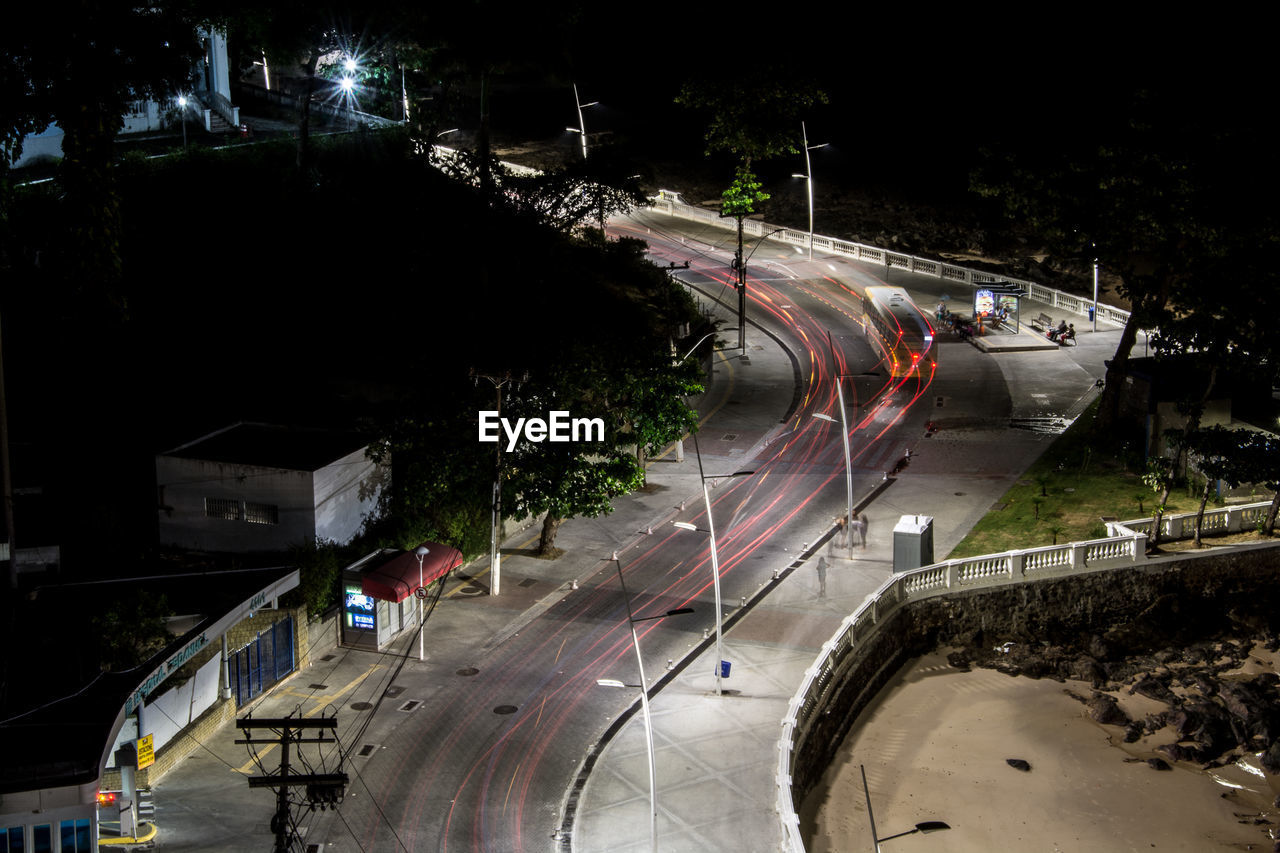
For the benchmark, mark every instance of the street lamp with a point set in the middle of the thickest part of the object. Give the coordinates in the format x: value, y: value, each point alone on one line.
x: 844, y: 432
x: 182, y: 107
x: 644, y: 702
x: 923, y: 828
x: 420, y: 552
x: 1094, y: 246
x: 715, y: 558
x: 808, y: 179
x: 495, y: 558
x: 677, y: 363
x: 582, y: 125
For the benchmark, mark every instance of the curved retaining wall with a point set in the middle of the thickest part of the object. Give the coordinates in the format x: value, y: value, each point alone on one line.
x: 1079, y: 584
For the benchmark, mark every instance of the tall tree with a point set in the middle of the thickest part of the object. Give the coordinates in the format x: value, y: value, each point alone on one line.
x: 638, y: 398
x: 751, y: 115
x: 82, y: 66
x: 1219, y: 454
x: 1153, y: 196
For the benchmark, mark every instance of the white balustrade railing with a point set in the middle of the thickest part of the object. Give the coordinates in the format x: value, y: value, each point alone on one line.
x: 1126, y: 547
x: 670, y: 203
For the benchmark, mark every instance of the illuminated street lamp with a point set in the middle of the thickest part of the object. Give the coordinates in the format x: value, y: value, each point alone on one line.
x: 182, y: 107
x: 677, y: 363
x: 715, y: 559
x: 420, y: 553
x: 924, y: 828
x: 808, y: 179
x: 844, y: 432
x: 582, y: 125
x: 644, y: 703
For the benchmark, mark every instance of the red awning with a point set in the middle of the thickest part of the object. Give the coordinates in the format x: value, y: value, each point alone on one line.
x: 397, y: 578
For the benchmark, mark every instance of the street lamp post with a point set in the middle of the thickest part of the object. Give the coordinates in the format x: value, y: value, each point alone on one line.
x: 420, y: 552
x: 182, y: 107
x: 848, y: 467
x: 582, y: 125
x: 495, y: 557
x: 1095, y: 288
x: 808, y: 179
x: 844, y: 430
x: 677, y: 362
x: 924, y: 828
x: 715, y: 561
x: 644, y: 703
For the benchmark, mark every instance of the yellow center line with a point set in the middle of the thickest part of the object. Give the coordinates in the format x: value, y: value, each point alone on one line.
x: 322, y: 702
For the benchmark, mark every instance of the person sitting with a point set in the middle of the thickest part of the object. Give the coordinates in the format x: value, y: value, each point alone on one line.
x: 1054, y: 334
x: 1068, y: 335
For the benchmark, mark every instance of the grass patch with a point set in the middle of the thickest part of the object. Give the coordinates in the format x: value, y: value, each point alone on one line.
x: 1065, y: 494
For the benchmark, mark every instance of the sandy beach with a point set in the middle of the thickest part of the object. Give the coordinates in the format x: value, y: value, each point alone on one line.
x: 935, y: 742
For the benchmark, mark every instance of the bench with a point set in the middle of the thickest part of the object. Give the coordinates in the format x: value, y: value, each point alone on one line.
x: 1042, y: 324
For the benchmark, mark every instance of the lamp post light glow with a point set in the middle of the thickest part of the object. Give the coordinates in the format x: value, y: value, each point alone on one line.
x: 582, y: 125
x: 421, y: 551
x: 844, y: 432
x: 644, y: 702
x: 182, y: 107
x: 677, y: 362
x: 808, y: 179
x: 715, y: 561
x: 1095, y: 288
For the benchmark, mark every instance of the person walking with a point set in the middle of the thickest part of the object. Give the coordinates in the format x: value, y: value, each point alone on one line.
x: 822, y: 577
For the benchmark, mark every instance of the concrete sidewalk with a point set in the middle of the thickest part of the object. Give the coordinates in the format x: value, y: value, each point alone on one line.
x: 717, y: 756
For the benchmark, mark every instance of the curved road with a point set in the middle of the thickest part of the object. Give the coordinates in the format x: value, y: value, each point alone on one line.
x: 483, y: 761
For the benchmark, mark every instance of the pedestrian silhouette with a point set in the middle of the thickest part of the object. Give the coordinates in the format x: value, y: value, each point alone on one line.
x: 860, y: 527
x: 822, y: 577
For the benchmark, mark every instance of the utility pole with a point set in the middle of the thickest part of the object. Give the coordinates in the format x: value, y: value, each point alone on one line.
x: 495, y: 557
x: 322, y: 789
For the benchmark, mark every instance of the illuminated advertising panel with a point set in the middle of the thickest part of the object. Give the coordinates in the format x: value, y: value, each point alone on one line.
x: 359, y: 609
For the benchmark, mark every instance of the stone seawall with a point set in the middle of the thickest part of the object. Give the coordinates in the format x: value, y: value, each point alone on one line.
x: 1190, y: 594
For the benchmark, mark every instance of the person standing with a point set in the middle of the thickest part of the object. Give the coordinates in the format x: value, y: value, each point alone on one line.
x: 822, y: 577
x: 860, y: 527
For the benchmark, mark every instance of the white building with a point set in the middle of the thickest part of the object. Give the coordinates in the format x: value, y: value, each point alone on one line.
x: 259, y: 487
x: 208, y: 107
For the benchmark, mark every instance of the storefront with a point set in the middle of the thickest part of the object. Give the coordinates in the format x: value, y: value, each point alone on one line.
x: 378, y: 592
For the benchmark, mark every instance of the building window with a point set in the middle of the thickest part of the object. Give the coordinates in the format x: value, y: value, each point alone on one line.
x: 76, y: 836
x: 261, y: 513
x: 222, y: 508
x: 11, y: 839
x: 42, y: 839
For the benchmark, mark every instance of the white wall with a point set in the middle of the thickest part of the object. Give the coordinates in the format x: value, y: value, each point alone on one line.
x: 340, y: 509
x: 171, y: 712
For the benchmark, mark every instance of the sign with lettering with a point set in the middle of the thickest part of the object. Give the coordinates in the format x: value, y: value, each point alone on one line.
x: 146, y: 751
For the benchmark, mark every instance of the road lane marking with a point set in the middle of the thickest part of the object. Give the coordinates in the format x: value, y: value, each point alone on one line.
x: 322, y: 702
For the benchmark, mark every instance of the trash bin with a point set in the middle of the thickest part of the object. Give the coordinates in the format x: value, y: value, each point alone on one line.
x: 1090, y: 313
x: 725, y: 666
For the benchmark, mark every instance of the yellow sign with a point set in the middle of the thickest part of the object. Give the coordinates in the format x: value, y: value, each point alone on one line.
x: 146, y: 752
